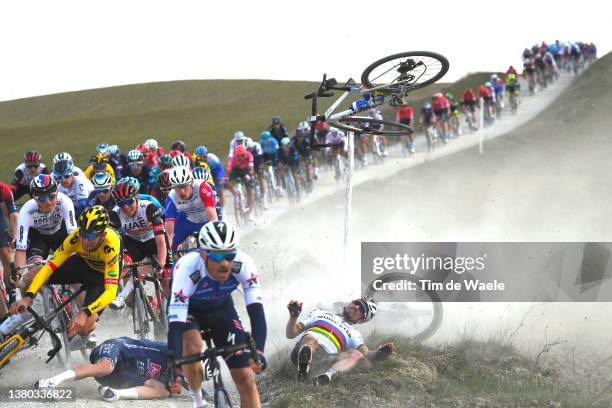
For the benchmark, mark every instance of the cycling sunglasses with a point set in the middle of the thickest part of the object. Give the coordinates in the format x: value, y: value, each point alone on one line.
x: 89, y: 235
x: 219, y: 257
x: 62, y: 177
x: 103, y: 191
x: 32, y: 166
x: 136, y: 165
x: 126, y: 202
x: 46, y: 197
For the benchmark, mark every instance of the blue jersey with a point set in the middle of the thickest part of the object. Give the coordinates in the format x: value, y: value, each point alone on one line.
x: 289, y: 157
x: 216, y: 169
x: 134, y: 361
x: 153, y: 200
x: 269, y: 146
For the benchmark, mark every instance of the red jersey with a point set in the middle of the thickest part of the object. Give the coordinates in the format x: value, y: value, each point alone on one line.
x: 469, y: 95
x: 483, y: 91
x: 404, y: 113
x: 240, y: 162
x: 441, y: 103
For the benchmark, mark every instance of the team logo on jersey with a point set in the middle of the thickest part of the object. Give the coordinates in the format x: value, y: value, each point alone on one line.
x: 74, y: 239
x: 236, y: 266
x: 195, y: 277
x: 180, y: 297
x: 107, y: 249
x: 113, y: 274
x: 154, y: 371
x: 252, y: 280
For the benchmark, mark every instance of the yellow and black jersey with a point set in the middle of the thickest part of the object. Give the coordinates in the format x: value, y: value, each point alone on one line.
x: 90, y: 171
x: 105, y: 259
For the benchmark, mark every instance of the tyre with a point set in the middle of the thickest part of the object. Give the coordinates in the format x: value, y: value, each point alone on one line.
x: 363, y: 124
x: 160, y: 325
x: 140, y: 317
x: 222, y: 399
x: 430, y: 314
x: 404, y: 72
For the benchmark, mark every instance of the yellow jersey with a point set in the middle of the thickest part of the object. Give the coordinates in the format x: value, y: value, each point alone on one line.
x: 105, y: 259
x: 90, y: 171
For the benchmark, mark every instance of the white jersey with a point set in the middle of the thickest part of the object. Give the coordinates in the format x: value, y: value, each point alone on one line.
x: 27, y: 177
x: 233, y: 145
x: 191, y: 284
x: 45, y: 224
x: 193, y: 207
x: 333, y: 333
x: 337, y: 138
x: 143, y: 225
x: 79, y: 190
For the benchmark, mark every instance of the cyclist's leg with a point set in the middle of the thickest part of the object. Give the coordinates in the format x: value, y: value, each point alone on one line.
x: 192, y: 344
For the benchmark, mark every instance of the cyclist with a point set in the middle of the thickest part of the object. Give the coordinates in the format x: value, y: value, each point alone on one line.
x: 189, y: 205
x: 165, y: 162
x: 277, y: 129
x: 337, y: 140
x: 455, y: 114
x: 405, y: 115
x: 162, y: 188
x: 217, y: 171
x: 142, y: 228
x: 117, y: 159
x: 529, y: 74
x: 101, y: 195
x: 76, y: 186
x: 201, y: 298
x: 511, y: 70
x: 90, y: 255
x: 239, y: 139
x: 498, y: 89
x: 335, y: 334
x: 270, y: 147
x: 179, y: 147
x: 152, y: 153
x: 7, y: 242
x: 304, y: 127
x: 137, y: 169
x: 25, y: 172
x: 201, y: 173
x: 101, y: 163
x: 241, y: 167
x: 493, y: 100
x: 441, y: 108
x: 125, y: 368
x: 288, y: 158
x: 485, y: 93
x: 468, y: 100
x: 512, y: 87
x: 302, y: 145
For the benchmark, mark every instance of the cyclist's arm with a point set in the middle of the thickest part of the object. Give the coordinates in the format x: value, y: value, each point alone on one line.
x: 57, y: 259
x: 111, y: 279
x: 154, y: 216
x: 182, y: 288
x: 68, y: 215
x: 171, y: 213
x: 89, y: 171
x: 207, y: 196
x: 253, y: 299
x: 16, y: 179
x: 24, y: 222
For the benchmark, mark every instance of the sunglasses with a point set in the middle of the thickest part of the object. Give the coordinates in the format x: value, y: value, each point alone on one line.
x: 136, y: 164
x: 126, y: 202
x: 32, y: 166
x: 62, y: 177
x: 89, y: 235
x: 103, y: 191
x: 166, y: 190
x: 219, y: 257
x: 46, y: 197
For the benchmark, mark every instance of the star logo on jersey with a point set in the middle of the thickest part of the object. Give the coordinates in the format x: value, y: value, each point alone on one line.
x: 180, y: 297
x: 252, y: 280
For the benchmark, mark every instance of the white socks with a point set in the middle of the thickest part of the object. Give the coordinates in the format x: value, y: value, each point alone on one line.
x: 61, y: 377
x: 128, y: 393
x: 196, y: 396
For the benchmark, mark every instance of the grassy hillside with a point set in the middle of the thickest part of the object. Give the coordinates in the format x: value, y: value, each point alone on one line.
x: 198, y: 112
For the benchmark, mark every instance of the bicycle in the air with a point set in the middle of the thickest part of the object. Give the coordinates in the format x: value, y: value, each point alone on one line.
x: 386, y: 80
x: 212, y: 368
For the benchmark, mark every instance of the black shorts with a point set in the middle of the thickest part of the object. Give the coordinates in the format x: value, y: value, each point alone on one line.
x: 225, y: 324
x: 41, y: 245
x: 258, y: 164
x: 140, y: 250
x: 76, y: 270
x: 406, y: 121
x: 241, y: 174
x: 471, y: 105
x: 441, y: 114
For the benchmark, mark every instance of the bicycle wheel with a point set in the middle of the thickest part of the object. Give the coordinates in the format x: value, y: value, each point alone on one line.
x: 222, y: 399
x: 59, y: 325
x: 425, y: 312
x: 404, y: 72
x: 366, y: 122
x: 160, y: 326
x: 238, y: 204
x: 140, y: 317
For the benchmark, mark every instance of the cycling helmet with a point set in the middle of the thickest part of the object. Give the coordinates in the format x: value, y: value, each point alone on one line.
x: 285, y: 141
x: 239, y: 135
x: 181, y: 176
x: 94, y: 220
x: 131, y: 180
x: 449, y: 96
x: 200, y: 173
x: 304, y: 127
x: 276, y: 120
x: 265, y: 135
x: 103, y: 148
x: 201, y: 151
x: 494, y: 77
x: 32, y: 158
x: 367, y: 306
x: 102, y: 181
x: 180, y: 161
x: 101, y: 158
x: 332, y: 130
x: 135, y: 156
x: 165, y: 160
x: 62, y: 156
x: 125, y: 190
x: 427, y: 105
x: 42, y: 185
x: 113, y: 149
x: 179, y: 145
x: 163, y: 180
x: 240, y: 150
x: 218, y: 236
x: 63, y: 167
x: 151, y: 144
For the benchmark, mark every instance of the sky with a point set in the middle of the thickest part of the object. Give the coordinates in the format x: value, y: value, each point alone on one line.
x: 64, y: 45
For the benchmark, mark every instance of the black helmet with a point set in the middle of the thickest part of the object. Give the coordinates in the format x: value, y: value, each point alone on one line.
x: 94, y: 220
x: 42, y: 185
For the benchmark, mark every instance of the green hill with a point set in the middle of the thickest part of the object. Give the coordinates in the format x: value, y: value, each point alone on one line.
x: 198, y: 112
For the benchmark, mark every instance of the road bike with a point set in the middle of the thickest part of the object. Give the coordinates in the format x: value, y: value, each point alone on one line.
x: 386, y: 80
x: 212, y: 368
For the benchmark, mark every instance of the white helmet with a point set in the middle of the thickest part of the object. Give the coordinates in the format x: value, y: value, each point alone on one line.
x: 181, y: 176
x: 180, y: 161
x: 494, y: 77
x: 218, y: 236
x: 102, y: 181
x: 135, y: 155
x: 239, y: 136
x: 112, y: 149
x: 303, y: 127
x: 62, y: 156
x: 151, y: 144
x: 368, y: 307
x: 201, y: 173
